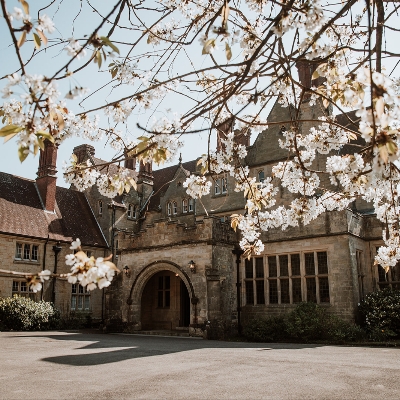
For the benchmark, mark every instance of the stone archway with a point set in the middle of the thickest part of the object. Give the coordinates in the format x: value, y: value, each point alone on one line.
x: 158, y: 269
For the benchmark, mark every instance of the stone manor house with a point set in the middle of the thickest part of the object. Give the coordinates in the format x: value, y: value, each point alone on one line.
x: 181, y: 268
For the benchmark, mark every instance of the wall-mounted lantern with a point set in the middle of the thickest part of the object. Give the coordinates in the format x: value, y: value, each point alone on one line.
x: 192, y: 266
x: 126, y: 270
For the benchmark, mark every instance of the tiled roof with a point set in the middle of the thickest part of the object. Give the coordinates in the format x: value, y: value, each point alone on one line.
x: 22, y: 213
x: 162, y: 178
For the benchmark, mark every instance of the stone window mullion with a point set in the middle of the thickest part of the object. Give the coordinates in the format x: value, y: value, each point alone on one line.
x: 316, y: 277
x: 266, y: 293
x: 303, y: 277
x: 278, y: 279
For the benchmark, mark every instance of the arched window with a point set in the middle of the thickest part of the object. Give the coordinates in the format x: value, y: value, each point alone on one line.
x: 261, y: 176
x: 169, y: 211
x: 100, y: 207
x: 191, y: 205
x: 184, y: 206
x: 175, y: 208
x: 130, y: 211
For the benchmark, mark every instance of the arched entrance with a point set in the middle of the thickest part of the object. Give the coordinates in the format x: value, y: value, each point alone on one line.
x: 165, y: 302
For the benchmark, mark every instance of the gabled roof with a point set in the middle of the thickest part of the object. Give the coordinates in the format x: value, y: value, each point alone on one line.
x: 22, y: 213
x: 163, y: 177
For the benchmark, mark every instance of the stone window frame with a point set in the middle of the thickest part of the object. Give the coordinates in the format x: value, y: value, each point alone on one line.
x: 174, y: 208
x: 224, y: 185
x: 80, y: 298
x: 391, y: 279
x: 130, y: 212
x: 306, y: 280
x: 217, y: 187
x: 191, y: 205
x: 26, y: 252
x: 185, y: 208
x: 360, y: 273
x: 260, y: 176
x: 100, y: 207
x: 220, y: 186
x: 22, y: 289
x: 169, y: 208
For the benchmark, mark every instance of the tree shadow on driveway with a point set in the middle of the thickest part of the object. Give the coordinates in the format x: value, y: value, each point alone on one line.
x: 119, y: 347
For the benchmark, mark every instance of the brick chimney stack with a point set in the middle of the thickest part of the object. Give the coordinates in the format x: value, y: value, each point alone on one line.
x: 222, y: 132
x: 47, y: 175
x: 145, y: 171
x: 130, y: 162
x: 84, y: 152
x: 306, y: 70
x: 225, y: 128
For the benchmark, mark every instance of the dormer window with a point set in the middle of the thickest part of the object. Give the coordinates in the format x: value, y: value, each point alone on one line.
x: 169, y: 209
x: 224, y: 185
x: 260, y: 176
x: 130, y: 211
x: 184, y: 206
x: 100, y: 208
x: 217, y: 187
x: 135, y: 212
x: 191, y: 205
x: 175, y: 207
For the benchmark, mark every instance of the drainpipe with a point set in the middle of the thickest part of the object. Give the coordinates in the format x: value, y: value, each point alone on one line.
x: 56, y: 249
x: 238, y: 252
x: 44, y: 264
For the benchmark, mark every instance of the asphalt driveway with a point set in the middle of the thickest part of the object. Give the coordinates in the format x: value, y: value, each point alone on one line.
x: 72, y: 365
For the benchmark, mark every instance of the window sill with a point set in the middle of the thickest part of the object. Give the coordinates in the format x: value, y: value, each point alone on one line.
x: 21, y: 261
x: 219, y: 195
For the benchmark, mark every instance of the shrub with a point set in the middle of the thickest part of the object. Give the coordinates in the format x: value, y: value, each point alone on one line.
x: 307, y: 322
x: 22, y: 313
x: 271, y: 329
x: 380, y: 312
x: 76, y: 320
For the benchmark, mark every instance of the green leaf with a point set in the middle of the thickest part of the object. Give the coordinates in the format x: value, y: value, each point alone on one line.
x: 21, y: 39
x: 228, y: 51
x: 25, y: 6
x: 108, y: 43
x: 21, y: 153
x: 40, y: 143
x: 9, y: 129
x: 99, y: 59
x: 143, y: 138
x: 42, y: 36
x: 225, y: 15
x: 315, y: 74
x: 45, y: 135
x: 37, y: 40
x: 206, y: 44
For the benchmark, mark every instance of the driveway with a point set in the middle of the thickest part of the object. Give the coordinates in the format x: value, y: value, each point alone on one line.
x: 77, y: 365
